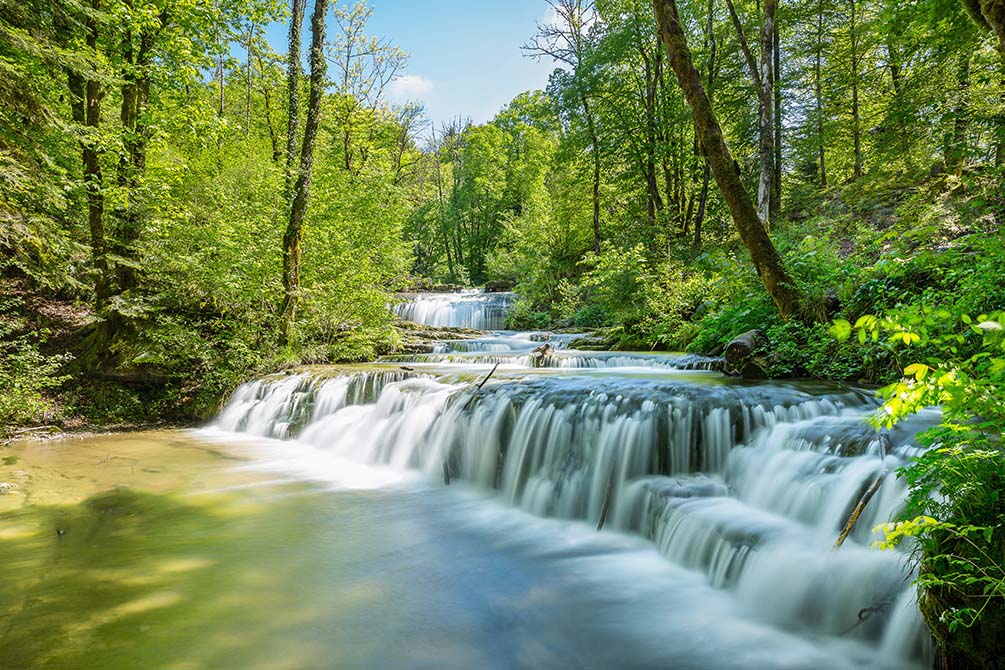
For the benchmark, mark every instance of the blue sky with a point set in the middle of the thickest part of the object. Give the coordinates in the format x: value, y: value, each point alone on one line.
x: 464, y: 56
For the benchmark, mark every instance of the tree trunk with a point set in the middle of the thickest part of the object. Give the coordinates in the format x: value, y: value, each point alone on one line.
x: 957, y: 148
x: 856, y: 119
x: 761, y: 74
x: 769, y: 264
x: 293, y: 76
x: 247, y: 108
x: 819, y: 96
x: 302, y: 187
x: 595, y: 150
x: 700, y: 216
x: 776, y: 182
x: 221, y: 74
x: 90, y: 113
x: 135, y: 135
x: 765, y: 108
x: 654, y: 200
x: 277, y: 152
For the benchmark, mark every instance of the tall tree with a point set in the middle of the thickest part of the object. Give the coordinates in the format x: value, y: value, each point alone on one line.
x: 294, y: 74
x: 762, y: 74
x: 302, y: 184
x: 565, y: 39
x: 777, y: 281
x: 991, y: 14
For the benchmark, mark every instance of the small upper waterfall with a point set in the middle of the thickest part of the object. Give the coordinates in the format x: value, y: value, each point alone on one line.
x: 471, y: 308
x: 746, y: 484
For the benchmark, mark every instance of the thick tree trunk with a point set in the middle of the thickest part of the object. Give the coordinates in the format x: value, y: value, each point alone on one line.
x: 302, y: 187
x: 293, y: 76
x: 769, y: 264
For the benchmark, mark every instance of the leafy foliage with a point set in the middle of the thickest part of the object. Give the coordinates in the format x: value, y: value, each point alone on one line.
x: 955, y: 510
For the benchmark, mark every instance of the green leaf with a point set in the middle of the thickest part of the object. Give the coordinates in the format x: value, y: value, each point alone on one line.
x: 841, y: 330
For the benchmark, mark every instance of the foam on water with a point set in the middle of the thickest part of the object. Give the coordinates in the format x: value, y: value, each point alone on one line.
x: 744, y: 485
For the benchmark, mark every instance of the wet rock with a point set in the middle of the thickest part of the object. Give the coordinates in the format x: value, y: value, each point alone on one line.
x: 591, y: 343
x: 498, y: 286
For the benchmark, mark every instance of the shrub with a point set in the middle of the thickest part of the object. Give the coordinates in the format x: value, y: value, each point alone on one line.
x: 955, y: 509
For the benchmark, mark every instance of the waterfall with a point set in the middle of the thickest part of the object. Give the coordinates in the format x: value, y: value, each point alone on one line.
x: 471, y: 308
x: 746, y: 484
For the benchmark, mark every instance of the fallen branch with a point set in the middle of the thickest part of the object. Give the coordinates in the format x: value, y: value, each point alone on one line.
x: 607, y: 497
x: 857, y: 512
x: 479, y: 387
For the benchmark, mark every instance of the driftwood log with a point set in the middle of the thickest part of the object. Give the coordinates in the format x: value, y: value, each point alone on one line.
x: 742, y: 347
x: 741, y: 355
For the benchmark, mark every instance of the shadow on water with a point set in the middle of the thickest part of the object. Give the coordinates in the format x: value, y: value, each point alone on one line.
x: 130, y: 579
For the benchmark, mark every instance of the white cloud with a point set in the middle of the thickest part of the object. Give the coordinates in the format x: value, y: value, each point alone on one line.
x: 410, y: 87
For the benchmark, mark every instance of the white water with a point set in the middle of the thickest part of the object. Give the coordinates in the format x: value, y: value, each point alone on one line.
x: 748, y: 485
x: 471, y: 308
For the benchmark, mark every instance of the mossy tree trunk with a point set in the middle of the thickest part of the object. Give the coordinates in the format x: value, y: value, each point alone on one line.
x: 777, y: 281
x: 302, y: 185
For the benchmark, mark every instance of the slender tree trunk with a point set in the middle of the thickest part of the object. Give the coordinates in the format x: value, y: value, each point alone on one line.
x: 266, y: 89
x: 654, y: 202
x: 699, y: 217
x: 765, y: 108
x: 897, y: 80
x: 247, y: 108
x: 221, y: 75
x: 90, y: 113
x: 302, y: 187
x: 957, y: 147
x: 762, y: 76
x: 135, y: 135
x: 293, y: 75
x: 818, y: 95
x: 595, y: 150
x: 776, y: 183
x: 1000, y: 144
x: 769, y: 264
x: 856, y: 119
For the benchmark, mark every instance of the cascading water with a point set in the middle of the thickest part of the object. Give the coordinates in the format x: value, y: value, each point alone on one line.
x: 747, y: 484
x: 471, y: 308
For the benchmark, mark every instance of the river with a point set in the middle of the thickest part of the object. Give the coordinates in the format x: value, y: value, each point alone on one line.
x: 310, y: 525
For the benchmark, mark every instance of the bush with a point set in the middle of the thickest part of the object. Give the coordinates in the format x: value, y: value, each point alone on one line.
x: 25, y: 373
x: 955, y: 509
x: 523, y: 316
